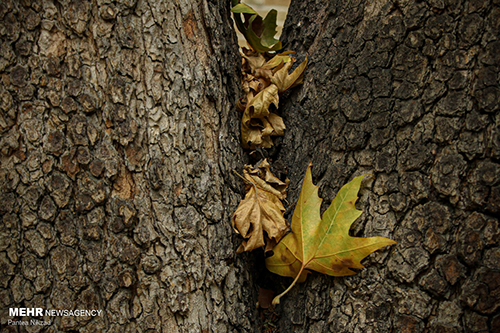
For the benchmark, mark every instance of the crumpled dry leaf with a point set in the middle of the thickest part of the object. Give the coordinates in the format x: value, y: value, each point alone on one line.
x: 257, y: 124
x: 258, y: 107
x: 259, y: 216
x: 277, y: 124
x: 323, y: 244
x: 263, y: 80
x: 252, y: 60
x: 285, y: 81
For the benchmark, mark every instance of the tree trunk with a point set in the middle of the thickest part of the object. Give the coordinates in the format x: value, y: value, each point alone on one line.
x: 407, y: 91
x: 118, y: 137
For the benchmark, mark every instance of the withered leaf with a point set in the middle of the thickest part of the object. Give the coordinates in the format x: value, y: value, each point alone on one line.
x: 258, y: 123
x: 253, y: 59
x: 277, y: 123
x: 322, y: 244
x: 259, y: 216
x: 264, y: 78
x: 258, y: 107
x: 284, y: 81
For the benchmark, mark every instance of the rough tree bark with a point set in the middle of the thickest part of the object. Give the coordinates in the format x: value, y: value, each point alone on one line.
x: 407, y: 91
x: 118, y: 134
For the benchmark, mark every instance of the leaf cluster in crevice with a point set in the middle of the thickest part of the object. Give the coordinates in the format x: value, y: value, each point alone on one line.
x: 322, y: 244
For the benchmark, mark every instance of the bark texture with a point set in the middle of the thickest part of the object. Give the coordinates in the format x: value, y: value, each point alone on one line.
x: 407, y: 91
x: 118, y: 134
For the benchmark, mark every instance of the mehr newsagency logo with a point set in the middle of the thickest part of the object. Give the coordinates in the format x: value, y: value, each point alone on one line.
x: 39, y: 312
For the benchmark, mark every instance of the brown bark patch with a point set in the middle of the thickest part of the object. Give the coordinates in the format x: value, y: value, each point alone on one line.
x: 124, y: 187
x: 134, y: 155
x: 68, y: 165
x: 211, y: 138
x: 189, y: 25
x: 178, y: 190
x: 52, y: 43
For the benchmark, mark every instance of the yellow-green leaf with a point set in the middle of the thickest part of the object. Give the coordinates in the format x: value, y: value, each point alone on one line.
x: 323, y: 244
x: 278, y: 60
x: 269, y: 30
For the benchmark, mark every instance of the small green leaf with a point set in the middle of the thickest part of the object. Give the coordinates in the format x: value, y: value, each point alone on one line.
x: 242, y: 8
x: 258, y: 32
x: 269, y: 29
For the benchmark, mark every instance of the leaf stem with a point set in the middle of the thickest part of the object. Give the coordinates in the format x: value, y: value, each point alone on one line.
x: 276, y: 300
x: 247, y: 181
x: 244, y: 179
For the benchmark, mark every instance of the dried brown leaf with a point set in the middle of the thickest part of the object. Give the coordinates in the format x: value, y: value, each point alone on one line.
x: 284, y: 81
x: 259, y: 216
x: 256, y: 128
x: 254, y: 60
x: 258, y: 107
x: 262, y: 81
x: 277, y: 124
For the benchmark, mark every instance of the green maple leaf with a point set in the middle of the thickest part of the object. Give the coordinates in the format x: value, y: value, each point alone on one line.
x: 323, y: 244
